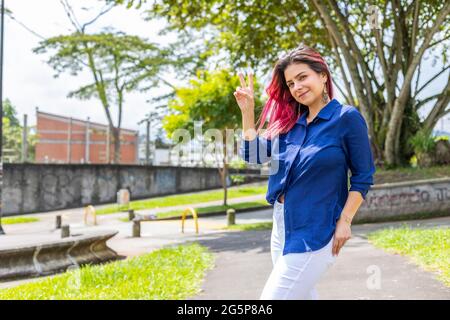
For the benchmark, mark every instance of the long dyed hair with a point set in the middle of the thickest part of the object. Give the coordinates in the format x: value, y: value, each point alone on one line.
x: 284, y: 110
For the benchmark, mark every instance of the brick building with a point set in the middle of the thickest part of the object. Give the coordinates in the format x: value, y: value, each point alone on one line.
x: 68, y: 140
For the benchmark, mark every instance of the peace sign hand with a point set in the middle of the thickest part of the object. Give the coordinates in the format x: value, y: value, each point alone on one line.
x: 244, y: 94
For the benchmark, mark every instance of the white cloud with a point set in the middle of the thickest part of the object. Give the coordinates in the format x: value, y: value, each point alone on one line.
x: 29, y: 81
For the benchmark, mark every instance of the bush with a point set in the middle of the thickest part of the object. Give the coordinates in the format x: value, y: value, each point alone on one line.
x: 237, y: 178
x: 424, y: 146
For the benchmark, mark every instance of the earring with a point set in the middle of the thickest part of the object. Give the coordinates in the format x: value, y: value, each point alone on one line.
x: 325, y: 94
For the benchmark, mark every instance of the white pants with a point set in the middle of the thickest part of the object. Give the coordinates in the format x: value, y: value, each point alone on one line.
x: 294, y: 275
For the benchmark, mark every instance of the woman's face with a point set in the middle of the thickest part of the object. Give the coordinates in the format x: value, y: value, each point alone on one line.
x: 305, y: 85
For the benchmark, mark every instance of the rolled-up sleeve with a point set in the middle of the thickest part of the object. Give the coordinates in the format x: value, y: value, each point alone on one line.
x: 359, y: 153
x: 257, y: 150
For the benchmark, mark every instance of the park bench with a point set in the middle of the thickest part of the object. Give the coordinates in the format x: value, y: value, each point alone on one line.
x: 137, y: 219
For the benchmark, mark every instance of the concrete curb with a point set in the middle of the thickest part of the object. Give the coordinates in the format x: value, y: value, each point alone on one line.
x: 218, y: 213
x: 356, y: 220
x: 56, y: 256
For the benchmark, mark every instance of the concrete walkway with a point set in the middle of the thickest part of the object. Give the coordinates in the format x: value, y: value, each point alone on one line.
x: 243, y: 261
x: 154, y: 234
x: 243, y: 265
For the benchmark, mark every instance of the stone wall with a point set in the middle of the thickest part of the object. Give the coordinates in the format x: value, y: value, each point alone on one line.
x: 396, y: 200
x: 29, y: 188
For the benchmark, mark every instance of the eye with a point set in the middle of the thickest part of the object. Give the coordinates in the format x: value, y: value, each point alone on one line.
x: 302, y: 77
x: 290, y: 84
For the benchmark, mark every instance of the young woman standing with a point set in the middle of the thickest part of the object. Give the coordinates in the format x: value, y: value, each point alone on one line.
x: 312, y: 140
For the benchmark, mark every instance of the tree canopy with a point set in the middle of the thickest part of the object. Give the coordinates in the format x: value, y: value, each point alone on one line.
x: 376, y: 50
x: 209, y: 99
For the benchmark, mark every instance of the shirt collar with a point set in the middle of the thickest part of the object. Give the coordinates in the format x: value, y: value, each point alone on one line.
x: 324, y: 113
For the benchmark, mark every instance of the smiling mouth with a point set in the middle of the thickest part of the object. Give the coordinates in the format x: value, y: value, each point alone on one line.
x: 301, y: 96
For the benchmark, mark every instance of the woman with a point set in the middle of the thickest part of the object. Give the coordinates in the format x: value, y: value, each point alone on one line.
x: 312, y: 140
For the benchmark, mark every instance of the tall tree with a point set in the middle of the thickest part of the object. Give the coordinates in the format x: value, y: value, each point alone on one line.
x: 379, y: 69
x: 407, y: 31
x: 119, y: 63
x: 209, y: 99
x: 12, y: 135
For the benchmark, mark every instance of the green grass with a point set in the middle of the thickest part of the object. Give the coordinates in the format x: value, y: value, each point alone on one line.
x: 203, y: 210
x: 210, y: 209
x: 250, y: 226
x: 406, y: 216
x: 381, y: 176
x: 171, y: 273
x: 182, y: 199
x: 429, y: 248
x: 410, y: 173
x: 17, y: 220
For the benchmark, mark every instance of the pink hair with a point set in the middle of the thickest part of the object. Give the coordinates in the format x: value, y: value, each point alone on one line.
x: 284, y: 110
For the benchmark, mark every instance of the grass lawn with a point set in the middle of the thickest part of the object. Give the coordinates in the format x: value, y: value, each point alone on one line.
x: 16, y: 220
x: 381, y: 176
x: 170, y: 273
x: 250, y: 226
x: 429, y: 248
x: 237, y: 206
x: 189, y: 198
x: 203, y: 210
x: 408, y: 174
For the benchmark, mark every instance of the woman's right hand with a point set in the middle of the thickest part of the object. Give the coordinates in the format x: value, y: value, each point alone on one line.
x: 244, y: 95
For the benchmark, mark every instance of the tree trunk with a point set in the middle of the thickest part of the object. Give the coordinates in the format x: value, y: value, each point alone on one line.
x: 116, y: 134
x: 224, y: 175
x: 224, y: 183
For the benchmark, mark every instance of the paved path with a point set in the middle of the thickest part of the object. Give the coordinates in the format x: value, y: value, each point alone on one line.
x: 243, y: 258
x: 243, y: 264
x: 154, y: 234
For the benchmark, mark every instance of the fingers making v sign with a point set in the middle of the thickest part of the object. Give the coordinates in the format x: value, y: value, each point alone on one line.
x: 244, y: 94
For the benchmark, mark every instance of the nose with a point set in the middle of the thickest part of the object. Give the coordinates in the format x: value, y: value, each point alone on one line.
x: 297, y: 85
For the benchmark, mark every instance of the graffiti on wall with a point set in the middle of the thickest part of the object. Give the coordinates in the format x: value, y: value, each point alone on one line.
x: 398, y: 197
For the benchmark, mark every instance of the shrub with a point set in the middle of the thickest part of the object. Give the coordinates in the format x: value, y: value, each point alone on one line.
x: 424, y: 146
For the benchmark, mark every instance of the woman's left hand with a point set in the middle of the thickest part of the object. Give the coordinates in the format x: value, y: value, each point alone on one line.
x: 342, y: 233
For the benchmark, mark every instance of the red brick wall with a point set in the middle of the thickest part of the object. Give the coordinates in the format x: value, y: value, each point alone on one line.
x: 53, y: 132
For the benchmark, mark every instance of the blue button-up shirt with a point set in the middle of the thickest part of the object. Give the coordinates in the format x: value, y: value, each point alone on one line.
x: 309, y: 165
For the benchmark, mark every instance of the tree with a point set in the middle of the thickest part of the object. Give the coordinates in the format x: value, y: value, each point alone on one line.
x: 209, y: 99
x: 377, y: 69
x: 128, y: 3
x: 10, y: 112
x: 118, y: 63
x: 160, y: 141
x: 12, y: 135
x: 413, y: 27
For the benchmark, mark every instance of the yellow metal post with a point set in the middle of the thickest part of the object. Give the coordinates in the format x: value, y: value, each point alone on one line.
x: 194, y: 215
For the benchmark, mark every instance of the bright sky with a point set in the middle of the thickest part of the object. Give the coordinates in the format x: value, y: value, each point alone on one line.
x: 29, y: 81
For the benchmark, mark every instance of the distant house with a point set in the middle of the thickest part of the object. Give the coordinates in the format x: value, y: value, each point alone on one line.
x: 68, y: 140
